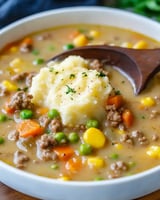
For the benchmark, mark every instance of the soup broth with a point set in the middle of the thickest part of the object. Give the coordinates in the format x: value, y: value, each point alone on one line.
x: 34, y: 137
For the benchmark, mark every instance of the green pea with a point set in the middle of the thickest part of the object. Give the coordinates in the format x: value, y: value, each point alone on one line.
x: 73, y: 137
x: 38, y: 61
x: 54, y: 166
x: 99, y: 179
x: 60, y: 137
x: 92, y: 123
x: 1, y: 140
x: 114, y: 156
x: 68, y: 46
x: 26, y: 114
x: 85, y: 149
x: 3, y: 118
x: 53, y: 114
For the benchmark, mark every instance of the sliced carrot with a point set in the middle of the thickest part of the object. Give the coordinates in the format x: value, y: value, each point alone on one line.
x: 27, y: 41
x: 73, y: 165
x: 116, y: 100
x: 74, y: 34
x: 127, y: 118
x: 8, y: 109
x: 64, y: 152
x: 28, y: 128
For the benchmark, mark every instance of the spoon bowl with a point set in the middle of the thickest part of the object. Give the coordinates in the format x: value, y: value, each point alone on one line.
x: 138, y: 65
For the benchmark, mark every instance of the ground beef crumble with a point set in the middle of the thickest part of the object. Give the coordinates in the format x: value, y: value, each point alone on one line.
x: 21, y: 100
x: 20, y: 159
x: 117, y: 169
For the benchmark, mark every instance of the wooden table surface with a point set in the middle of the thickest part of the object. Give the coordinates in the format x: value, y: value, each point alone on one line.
x: 7, y: 193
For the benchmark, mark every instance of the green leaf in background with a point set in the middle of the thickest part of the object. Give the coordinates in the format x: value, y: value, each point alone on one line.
x: 149, y: 8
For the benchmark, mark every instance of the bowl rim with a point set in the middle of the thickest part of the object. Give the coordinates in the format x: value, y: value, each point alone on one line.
x: 106, y: 182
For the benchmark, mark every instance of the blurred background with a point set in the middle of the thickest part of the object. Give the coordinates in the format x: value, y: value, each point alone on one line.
x: 12, y: 10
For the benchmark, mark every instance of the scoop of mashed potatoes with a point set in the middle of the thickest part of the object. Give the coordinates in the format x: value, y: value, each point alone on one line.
x: 78, y: 93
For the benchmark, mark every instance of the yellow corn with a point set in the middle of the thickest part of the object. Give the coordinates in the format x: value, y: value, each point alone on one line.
x: 118, y: 146
x: 95, y: 162
x: 64, y: 178
x: 154, y: 151
x: 94, y: 33
x: 119, y: 131
x: 13, y: 49
x: 140, y: 45
x: 126, y: 45
x: 94, y: 137
x: 16, y: 62
x: 9, y: 86
x: 80, y: 40
x: 148, y: 102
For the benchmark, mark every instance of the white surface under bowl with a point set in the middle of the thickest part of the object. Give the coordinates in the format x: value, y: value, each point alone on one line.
x: 126, y: 188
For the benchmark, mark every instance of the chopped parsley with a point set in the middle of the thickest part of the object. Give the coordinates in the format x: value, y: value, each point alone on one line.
x: 70, y: 90
x: 100, y: 74
x: 117, y: 92
x: 72, y: 76
x: 84, y: 74
x: 35, y: 52
x: 22, y: 89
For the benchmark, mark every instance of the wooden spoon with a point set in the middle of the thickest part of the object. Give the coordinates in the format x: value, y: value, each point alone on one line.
x: 139, y: 66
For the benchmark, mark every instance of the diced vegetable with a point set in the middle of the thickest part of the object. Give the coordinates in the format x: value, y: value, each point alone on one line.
x: 96, y: 162
x: 73, y: 137
x: 118, y: 146
x: 94, y: 137
x: 2, y: 140
x: 42, y: 110
x: 16, y: 62
x: 26, y: 114
x: 126, y: 45
x: 116, y: 100
x: 68, y: 46
x: 92, y: 123
x: 73, y: 165
x: 3, y: 118
x: 140, y: 45
x: 127, y: 118
x: 28, y: 128
x: 64, y: 153
x: 148, y: 102
x: 54, y: 166
x: 94, y: 33
x: 53, y: 114
x: 80, y: 40
x: 60, y: 137
x: 154, y: 151
x: 27, y: 41
x: 9, y: 86
x: 38, y: 61
x: 98, y: 179
x: 114, y: 156
x: 8, y: 109
x: 85, y: 149
x: 64, y: 178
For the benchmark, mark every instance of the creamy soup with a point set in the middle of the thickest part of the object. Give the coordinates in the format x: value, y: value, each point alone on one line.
x: 78, y: 119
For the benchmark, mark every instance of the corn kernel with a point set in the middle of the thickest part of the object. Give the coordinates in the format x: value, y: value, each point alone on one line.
x: 119, y: 131
x: 9, y: 86
x: 95, y: 162
x: 13, y: 49
x: 118, y: 146
x: 94, y: 33
x: 94, y: 137
x: 16, y: 62
x: 80, y: 40
x: 64, y: 178
x: 154, y: 151
x: 148, y: 102
x: 140, y: 45
x: 126, y: 45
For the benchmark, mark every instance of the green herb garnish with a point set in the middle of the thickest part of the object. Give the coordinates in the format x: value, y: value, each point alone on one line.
x: 70, y: 90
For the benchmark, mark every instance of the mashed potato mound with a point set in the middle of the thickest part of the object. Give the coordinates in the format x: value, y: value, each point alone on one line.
x: 77, y: 92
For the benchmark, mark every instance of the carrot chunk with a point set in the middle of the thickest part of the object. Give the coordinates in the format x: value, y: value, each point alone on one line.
x: 28, y: 128
x: 73, y: 165
x: 27, y: 41
x: 127, y: 118
x: 64, y: 152
x: 116, y: 100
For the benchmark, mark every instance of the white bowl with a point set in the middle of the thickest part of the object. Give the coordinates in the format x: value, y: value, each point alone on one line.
x: 49, y: 189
